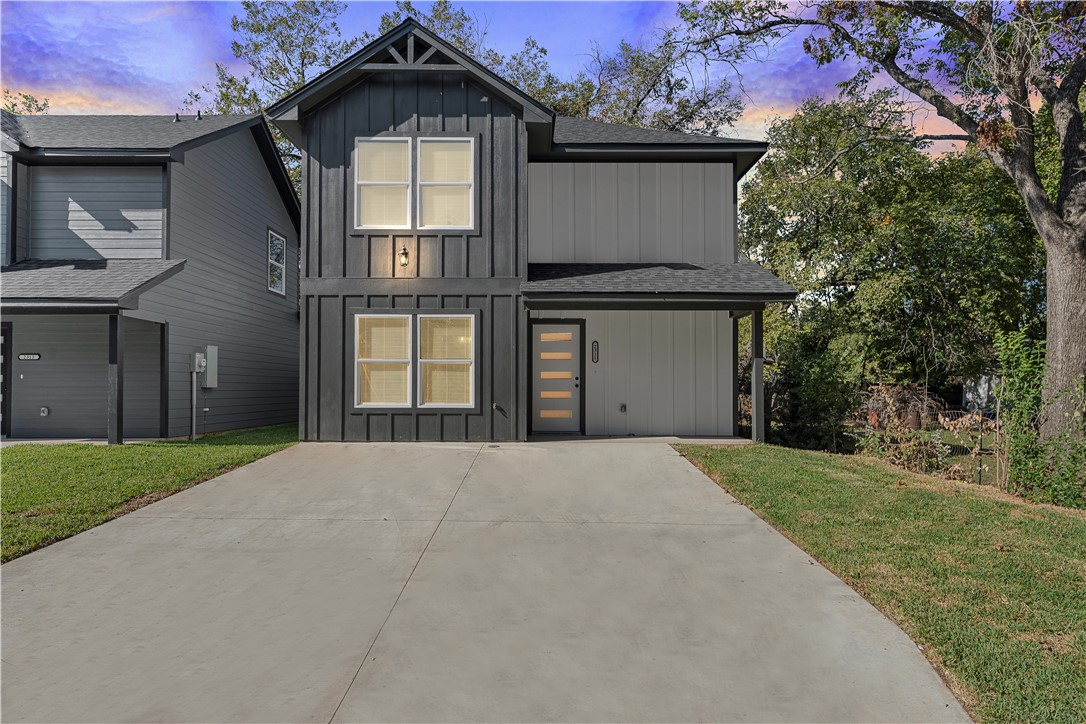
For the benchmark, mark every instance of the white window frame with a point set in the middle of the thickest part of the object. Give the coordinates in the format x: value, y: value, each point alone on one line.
x: 470, y: 184
x: 359, y: 183
x: 471, y: 363
x: 358, y: 361
x: 272, y: 262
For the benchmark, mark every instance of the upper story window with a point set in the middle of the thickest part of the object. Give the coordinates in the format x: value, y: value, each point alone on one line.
x: 414, y: 183
x: 277, y: 263
x: 446, y: 183
x: 383, y: 183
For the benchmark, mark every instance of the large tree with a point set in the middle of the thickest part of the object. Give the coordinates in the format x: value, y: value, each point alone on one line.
x: 915, y: 261
x: 284, y: 44
x: 983, y: 66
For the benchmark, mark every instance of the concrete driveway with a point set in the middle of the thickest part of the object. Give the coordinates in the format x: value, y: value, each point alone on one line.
x: 590, y: 581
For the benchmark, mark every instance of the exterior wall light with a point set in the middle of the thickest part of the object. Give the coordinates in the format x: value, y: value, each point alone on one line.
x: 403, y: 255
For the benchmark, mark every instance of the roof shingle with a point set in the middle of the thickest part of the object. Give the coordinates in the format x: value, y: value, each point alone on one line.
x: 70, y: 280
x: 574, y: 131
x: 114, y: 132
x: 738, y: 280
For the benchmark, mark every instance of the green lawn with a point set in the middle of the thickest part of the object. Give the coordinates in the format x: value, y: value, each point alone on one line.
x: 51, y: 492
x: 992, y: 587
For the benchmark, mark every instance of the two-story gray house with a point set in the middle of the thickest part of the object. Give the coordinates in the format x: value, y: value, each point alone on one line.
x: 476, y: 267
x: 128, y: 244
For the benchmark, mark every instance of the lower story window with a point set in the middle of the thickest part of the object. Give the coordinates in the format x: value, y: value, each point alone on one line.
x: 383, y: 360
x: 446, y: 361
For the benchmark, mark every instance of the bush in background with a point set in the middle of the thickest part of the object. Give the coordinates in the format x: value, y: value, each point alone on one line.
x: 1051, y: 470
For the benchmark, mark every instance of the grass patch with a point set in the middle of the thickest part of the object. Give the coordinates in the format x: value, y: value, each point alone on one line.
x: 52, y: 492
x: 992, y: 587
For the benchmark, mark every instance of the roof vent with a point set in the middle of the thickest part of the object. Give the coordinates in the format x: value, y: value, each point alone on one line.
x: 176, y: 117
x: 198, y: 116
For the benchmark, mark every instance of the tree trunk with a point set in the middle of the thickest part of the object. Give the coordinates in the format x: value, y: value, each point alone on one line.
x: 1066, y: 329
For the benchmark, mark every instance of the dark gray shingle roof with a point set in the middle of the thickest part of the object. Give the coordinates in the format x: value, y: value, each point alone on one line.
x: 114, y: 132
x: 105, y: 280
x: 579, y: 131
x: 733, y: 280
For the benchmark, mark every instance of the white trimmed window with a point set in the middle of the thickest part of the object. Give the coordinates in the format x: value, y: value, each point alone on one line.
x: 382, y: 360
x: 277, y: 263
x: 383, y: 183
x: 446, y: 183
x: 446, y: 360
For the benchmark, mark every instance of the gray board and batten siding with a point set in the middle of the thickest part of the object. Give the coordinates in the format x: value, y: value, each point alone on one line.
x: 631, y: 212
x: 222, y: 203
x: 350, y: 271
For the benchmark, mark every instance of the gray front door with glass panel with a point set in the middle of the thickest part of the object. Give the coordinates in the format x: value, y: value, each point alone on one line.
x: 556, y: 377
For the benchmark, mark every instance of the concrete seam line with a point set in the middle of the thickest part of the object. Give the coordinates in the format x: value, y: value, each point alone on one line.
x: 404, y: 586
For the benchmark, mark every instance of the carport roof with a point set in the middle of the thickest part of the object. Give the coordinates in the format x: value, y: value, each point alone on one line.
x: 81, y: 284
x: 734, y: 282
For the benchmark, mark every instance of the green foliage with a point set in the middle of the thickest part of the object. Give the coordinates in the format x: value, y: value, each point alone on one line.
x: 812, y: 383
x: 24, y: 104
x: 910, y: 261
x: 1050, y: 470
x: 994, y: 589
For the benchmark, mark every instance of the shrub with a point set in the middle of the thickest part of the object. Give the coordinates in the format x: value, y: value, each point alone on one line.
x: 1051, y: 470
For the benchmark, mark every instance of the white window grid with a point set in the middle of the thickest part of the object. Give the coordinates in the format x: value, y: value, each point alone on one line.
x: 402, y: 184
x: 273, y: 264
x: 471, y: 363
x: 359, y: 361
x: 470, y: 184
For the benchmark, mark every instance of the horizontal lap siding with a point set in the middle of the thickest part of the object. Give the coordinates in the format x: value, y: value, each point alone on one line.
x: 223, y: 201
x: 96, y: 212
x: 413, y: 103
x: 672, y: 370
x: 631, y: 212
x: 70, y: 376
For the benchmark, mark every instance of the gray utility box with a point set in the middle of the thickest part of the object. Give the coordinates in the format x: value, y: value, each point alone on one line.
x: 211, y: 370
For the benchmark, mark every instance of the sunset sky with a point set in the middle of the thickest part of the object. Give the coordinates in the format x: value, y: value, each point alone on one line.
x: 143, y: 57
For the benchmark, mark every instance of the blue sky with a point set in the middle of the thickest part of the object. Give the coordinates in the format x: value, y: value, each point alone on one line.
x: 143, y: 57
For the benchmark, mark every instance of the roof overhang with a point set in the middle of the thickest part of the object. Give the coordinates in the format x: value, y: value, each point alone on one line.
x: 651, y: 302
x: 744, y: 157
x: 125, y: 296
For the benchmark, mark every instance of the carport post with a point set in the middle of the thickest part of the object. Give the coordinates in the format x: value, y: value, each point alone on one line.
x: 757, y: 384
x: 115, y: 383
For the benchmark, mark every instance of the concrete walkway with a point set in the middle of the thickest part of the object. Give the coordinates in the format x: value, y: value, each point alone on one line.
x: 522, y: 582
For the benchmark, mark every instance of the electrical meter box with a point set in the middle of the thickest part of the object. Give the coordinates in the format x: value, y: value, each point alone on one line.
x: 211, y: 371
x: 199, y: 363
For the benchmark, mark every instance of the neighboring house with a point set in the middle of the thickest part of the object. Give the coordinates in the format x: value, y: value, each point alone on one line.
x: 477, y: 268
x: 129, y: 243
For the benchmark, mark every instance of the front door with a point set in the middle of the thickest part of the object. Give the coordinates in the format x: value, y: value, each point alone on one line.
x: 556, y: 377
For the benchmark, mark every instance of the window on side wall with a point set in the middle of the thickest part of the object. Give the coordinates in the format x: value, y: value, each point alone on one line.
x: 446, y: 186
x: 383, y: 183
x: 383, y: 360
x: 446, y: 361
x: 277, y: 263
